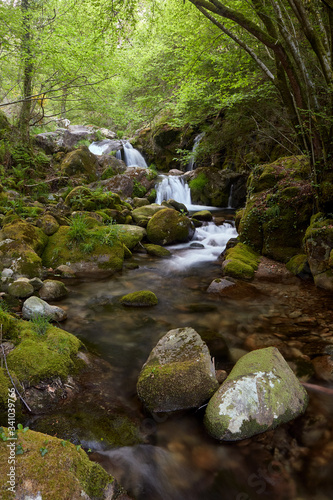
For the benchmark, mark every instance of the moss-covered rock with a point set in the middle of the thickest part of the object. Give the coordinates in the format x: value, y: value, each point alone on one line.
x: 260, y: 393
x: 278, y: 208
x: 99, y: 251
x: 53, y: 290
x: 142, y: 298
x: 21, y: 288
x: 299, y: 266
x: 48, y: 224
x: 24, y: 231
x: 240, y: 261
x: 80, y: 162
x: 83, y: 198
x: 178, y: 373
x: 204, y: 215
x: 142, y: 215
x: 52, y: 469
x: 157, y: 250
x: 169, y: 226
x: 21, y: 258
x: 129, y: 235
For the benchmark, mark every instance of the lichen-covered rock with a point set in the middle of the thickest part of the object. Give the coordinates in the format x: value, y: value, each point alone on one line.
x: 53, y: 290
x: 260, y: 393
x: 34, y: 306
x: 278, y: 208
x: 178, y: 373
x: 51, y: 468
x: 157, y: 250
x: 142, y: 298
x: 240, y: 261
x: 142, y: 215
x: 21, y: 288
x: 80, y: 162
x: 168, y: 226
x: 24, y: 231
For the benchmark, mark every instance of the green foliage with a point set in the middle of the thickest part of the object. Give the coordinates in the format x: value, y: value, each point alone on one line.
x: 138, y: 189
x: 199, y: 182
x: 109, y: 172
x: 78, y: 231
x: 40, y: 323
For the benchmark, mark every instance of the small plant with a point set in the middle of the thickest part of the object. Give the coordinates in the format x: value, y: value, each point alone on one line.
x: 43, y: 450
x: 82, y: 142
x: 87, y: 247
x: 19, y: 449
x: 138, y: 189
x: 199, y: 182
x: 21, y: 428
x: 40, y: 323
x: 78, y: 231
x: 99, y: 135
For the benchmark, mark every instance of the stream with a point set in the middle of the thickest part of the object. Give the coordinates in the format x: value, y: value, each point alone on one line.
x: 177, y: 459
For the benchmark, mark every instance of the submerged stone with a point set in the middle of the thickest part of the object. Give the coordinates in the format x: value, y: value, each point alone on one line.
x: 178, y: 374
x: 142, y: 298
x: 260, y: 393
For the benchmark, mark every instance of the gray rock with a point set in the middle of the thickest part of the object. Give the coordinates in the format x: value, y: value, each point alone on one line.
x: 51, y: 142
x: 53, y: 290
x: 36, y: 283
x: 218, y: 285
x: 178, y: 374
x: 35, y: 306
x: 260, y: 393
x: 76, y: 133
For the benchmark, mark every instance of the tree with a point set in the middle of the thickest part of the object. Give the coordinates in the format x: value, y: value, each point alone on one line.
x: 297, y: 60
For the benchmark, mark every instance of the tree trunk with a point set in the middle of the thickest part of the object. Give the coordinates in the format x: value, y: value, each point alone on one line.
x: 27, y: 61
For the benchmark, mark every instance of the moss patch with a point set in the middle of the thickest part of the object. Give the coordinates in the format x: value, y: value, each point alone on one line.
x: 62, y: 473
x: 142, y: 298
x: 241, y: 261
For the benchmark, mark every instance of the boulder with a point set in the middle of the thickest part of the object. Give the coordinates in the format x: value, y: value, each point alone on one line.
x: 76, y: 133
x: 240, y: 262
x: 48, y: 224
x: 260, y: 393
x: 157, y: 250
x: 21, y: 288
x: 319, y: 250
x: 73, y: 475
x: 203, y: 215
x: 64, y: 271
x: 178, y: 373
x: 51, y: 142
x: 83, y: 198
x: 168, y: 226
x: 80, y: 162
x: 143, y: 298
x: 25, y: 232
x: 219, y: 285
x: 142, y: 215
x: 53, y: 290
x: 21, y: 258
x: 34, y: 306
x: 129, y: 235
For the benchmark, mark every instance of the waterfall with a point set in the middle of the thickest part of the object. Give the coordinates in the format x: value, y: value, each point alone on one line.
x: 197, y: 140
x: 118, y: 154
x: 104, y: 147
x: 230, y: 197
x: 133, y: 158
x: 173, y: 187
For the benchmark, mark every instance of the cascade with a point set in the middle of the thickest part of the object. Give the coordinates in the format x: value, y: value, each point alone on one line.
x: 197, y: 140
x: 230, y: 197
x: 133, y: 158
x: 173, y: 187
x: 118, y: 154
x: 103, y: 147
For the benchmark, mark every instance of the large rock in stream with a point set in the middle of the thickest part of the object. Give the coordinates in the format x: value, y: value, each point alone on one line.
x: 260, y: 393
x: 178, y: 373
x: 168, y: 226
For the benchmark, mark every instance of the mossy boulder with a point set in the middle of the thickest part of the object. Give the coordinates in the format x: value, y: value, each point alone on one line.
x: 157, y: 250
x: 168, y: 226
x: 48, y: 224
x: 178, y: 373
x: 53, y: 290
x: 240, y: 261
x: 100, y: 251
x: 21, y: 258
x: 21, y: 288
x: 24, y: 231
x: 142, y: 298
x: 299, y: 266
x: 203, y: 215
x: 129, y: 235
x: 278, y: 208
x: 80, y: 162
x: 52, y: 469
x: 318, y: 242
x: 260, y: 393
x: 142, y: 215
x: 83, y: 198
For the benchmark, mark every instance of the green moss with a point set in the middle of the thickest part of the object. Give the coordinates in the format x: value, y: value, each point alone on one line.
x: 63, y: 473
x: 83, y: 198
x: 241, y: 261
x: 5, y: 383
x: 157, y: 250
x: 142, y: 298
x: 23, y: 231
x: 169, y: 226
x: 297, y: 264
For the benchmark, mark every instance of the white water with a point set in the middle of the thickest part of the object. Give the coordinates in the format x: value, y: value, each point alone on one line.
x: 213, y: 240
x: 133, y: 158
x: 197, y: 140
x: 230, y: 197
x: 98, y: 148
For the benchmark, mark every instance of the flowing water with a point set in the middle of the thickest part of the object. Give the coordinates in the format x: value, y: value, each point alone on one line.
x: 178, y: 460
